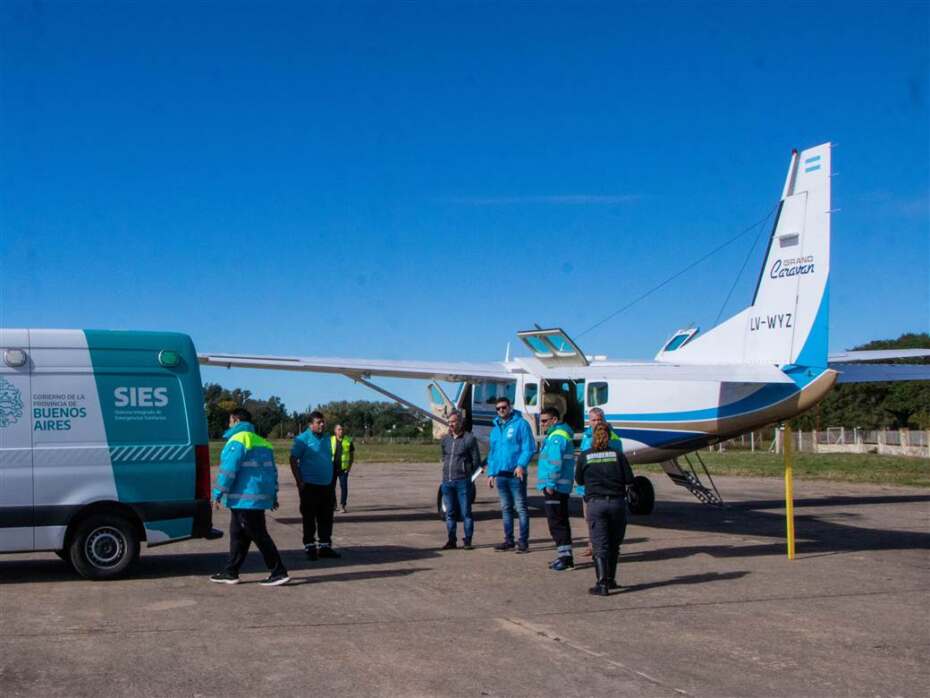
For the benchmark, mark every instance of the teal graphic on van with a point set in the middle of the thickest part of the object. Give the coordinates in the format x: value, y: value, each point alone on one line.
x: 11, y: 404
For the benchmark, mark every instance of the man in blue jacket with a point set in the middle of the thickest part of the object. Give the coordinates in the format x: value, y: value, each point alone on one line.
x: 556, y: 476
x: 315, y: 475
x: 511, y: 449
x: 247, y: 483
x: 595, y: 417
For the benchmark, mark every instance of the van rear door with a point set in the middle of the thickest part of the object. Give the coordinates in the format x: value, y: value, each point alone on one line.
x: 16, y: 497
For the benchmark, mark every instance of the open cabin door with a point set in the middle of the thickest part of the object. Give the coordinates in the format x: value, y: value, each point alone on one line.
x: 553, y: 347
x: 441, y: 406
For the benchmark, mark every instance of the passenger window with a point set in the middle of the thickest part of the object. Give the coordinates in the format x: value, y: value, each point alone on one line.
x: 487, y: 393
x: 597, y: 394
x: 530, y: 394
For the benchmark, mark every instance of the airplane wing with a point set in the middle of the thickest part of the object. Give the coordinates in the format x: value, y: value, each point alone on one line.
x: 870, y: 373
x: 453, y: 372
x: 846, y: 357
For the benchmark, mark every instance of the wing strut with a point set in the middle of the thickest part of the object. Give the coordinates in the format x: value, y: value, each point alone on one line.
x: 397, y: 398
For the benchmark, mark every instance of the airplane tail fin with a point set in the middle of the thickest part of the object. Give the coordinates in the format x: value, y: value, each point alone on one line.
x: 787, y: 322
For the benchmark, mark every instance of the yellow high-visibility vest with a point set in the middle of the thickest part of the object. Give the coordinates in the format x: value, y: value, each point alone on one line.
x: 346, y: 452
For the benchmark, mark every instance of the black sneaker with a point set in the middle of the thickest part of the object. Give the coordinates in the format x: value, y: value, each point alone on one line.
x: 522, y: 548
x: 326, y: 551
x: 310, y: 552
x: 562, y: 564
x: 468, y: 545
x: 225, y: 577
x: 450, y: 545
x: 505, y: 546
x: 275, y: 580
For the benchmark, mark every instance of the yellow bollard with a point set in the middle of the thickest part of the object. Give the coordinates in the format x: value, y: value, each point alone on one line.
x: 788, y: 449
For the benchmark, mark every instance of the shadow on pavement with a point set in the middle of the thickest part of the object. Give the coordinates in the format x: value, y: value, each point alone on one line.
x: 299, y: 580
x: 816, y: 533
x: 157, y: 566
x: 682, y: 580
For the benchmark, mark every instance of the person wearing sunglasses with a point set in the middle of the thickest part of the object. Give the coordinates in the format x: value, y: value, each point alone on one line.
x: 511, y: 449
x: 555, y: 475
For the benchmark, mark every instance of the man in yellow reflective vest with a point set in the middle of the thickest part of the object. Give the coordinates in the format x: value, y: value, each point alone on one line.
x: 343, y: 456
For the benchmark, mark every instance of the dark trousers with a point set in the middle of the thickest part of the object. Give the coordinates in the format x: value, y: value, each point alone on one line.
x: 559, y: 525
x: 606, y: 525
x: 316, y: 509
x: 343, y: 487
x: 247, y: 526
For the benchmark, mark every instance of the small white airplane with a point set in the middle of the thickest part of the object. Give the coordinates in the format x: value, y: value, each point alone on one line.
x: 766, y: 364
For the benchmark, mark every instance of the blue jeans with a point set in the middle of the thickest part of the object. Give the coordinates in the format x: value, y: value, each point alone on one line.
x: 457, y: 494
x: 343, y: 487
x: 512, y: 493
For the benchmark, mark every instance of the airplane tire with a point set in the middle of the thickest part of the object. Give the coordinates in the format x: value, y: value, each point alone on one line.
x: 641, y: 496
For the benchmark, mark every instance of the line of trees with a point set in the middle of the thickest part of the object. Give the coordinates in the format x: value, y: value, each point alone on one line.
x: 361, y: 418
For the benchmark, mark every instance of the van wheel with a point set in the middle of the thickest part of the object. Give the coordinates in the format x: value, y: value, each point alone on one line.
x: 103, y: 546
x: 641, y: 497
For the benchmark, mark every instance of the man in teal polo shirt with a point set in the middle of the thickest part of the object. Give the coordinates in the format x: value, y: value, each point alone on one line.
x: 312, y: 466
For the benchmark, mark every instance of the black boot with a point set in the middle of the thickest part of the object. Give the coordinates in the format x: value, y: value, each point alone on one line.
x: 600, y: 589
x: 612, y: 570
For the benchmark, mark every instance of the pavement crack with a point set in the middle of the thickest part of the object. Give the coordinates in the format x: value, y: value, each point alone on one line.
x: 540, y: 632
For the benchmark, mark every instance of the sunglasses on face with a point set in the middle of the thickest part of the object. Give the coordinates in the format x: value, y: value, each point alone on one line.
x: 503, y: 408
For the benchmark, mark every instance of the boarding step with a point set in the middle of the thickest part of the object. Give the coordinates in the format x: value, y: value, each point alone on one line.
x: 691, y: 481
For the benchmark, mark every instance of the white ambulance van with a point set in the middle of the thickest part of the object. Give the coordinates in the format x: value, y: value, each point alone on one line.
x: 103, y: 444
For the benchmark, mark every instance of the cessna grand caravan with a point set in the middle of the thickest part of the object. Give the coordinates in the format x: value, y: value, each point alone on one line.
x: 766, y: 364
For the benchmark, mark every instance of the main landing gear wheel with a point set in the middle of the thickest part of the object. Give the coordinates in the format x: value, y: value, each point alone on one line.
x: 641, y: 497
x: 104, y: 546
x: 441, y: 507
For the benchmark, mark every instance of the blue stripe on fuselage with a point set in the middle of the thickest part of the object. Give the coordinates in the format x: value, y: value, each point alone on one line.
x: 766, y: 396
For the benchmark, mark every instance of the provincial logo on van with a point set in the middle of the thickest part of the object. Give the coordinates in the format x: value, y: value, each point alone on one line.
x: 11, y: 403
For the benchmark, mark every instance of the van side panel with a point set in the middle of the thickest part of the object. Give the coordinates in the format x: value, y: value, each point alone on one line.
x: 71, y: 455
x: 153, y: 417
x: 16, y: 505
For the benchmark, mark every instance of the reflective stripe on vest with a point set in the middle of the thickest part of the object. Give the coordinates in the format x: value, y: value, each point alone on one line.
x: 346, y: 450
x: 250, y: 440
x: 564, y: 434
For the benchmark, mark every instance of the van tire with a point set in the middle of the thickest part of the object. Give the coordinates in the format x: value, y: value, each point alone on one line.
x: 641, y: 496
x: 65, y: 557
x: 103, y: 546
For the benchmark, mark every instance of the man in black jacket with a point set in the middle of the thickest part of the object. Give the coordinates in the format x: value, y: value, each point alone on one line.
x: 460, y: 459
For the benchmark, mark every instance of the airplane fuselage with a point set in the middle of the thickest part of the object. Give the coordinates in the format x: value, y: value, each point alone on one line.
x: 657, y: 419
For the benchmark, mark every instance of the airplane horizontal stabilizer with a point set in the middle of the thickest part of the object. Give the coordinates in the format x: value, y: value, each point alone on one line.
x: 873, y: 373
x: 878, y: 355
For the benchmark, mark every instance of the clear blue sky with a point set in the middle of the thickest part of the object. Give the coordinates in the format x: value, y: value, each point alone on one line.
x: 423, y: 180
